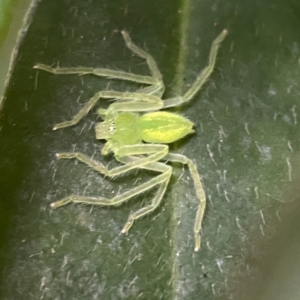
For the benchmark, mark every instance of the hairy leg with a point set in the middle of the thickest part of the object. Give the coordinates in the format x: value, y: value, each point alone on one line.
x: 203, y: 76
x: 151, y: 153
x: 199, y: 192
x: 161, y: 181
x: 135, y: 102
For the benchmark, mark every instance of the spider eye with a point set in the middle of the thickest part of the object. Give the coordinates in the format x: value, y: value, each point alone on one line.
x: 104, y: 130
x: 112, y: 129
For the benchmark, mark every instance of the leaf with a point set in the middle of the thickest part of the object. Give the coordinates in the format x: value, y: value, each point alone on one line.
x: 246, y: 148
x: 11, y: 20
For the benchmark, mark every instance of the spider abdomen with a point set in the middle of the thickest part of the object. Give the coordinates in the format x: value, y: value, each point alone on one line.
x: 164, y: 127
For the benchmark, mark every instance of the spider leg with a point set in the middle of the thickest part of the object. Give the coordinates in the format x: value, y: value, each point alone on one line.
x: 161, y: 180
x: 150, y: 60
x: 149, y: 208
x: 151, y: 90
x: 113, y: 74
x: 203, y: 76
x: 158, y: 167
x: 157, y: 85
x: 136, y: 102
x: 199, y: 191
x: 155, y: 152
x: 158, y: 180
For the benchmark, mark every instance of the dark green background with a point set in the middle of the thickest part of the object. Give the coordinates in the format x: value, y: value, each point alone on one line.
x: 247, y: 116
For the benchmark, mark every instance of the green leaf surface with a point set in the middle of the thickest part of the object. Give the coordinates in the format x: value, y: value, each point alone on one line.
x: 246, y: 147
x: 12, y: 17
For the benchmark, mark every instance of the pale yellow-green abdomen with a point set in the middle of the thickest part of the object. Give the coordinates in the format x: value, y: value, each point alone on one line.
x: 164, y: 127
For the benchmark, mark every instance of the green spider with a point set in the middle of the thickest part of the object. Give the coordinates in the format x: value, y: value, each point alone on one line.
x: 138, y: 133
